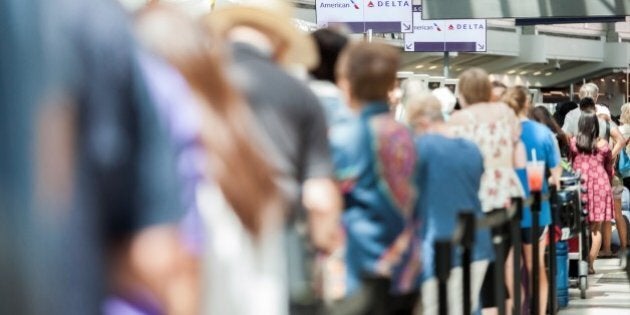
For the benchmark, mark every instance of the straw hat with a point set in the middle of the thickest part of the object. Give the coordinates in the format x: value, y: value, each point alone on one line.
x: 269, y: 16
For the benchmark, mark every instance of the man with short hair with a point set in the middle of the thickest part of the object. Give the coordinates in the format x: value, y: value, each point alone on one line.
x: 449, y: 175
x: 607, y: 129
x: 375, y: 161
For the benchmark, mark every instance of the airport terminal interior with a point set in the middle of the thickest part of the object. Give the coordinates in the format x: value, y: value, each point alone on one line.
x: 343, y: 157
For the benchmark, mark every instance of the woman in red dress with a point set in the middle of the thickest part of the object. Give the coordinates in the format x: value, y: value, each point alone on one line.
x: 593, y: 159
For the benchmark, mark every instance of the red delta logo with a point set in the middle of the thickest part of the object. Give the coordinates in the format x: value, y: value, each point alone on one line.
x: 389, y: 3
x: 466, y: 26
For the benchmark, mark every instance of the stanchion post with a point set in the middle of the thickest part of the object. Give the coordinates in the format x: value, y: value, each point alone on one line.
x: 443, y: 271
x: 499, y: 270
x: 553, y: 294
x: 516, y: 241
x: 537, y: 195
x: 467, y: 221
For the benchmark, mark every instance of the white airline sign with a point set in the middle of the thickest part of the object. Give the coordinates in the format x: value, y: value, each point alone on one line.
x: 445, y: 35
x: 381, y: 16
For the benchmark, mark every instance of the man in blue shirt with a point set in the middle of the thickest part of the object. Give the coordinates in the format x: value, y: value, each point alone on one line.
x: 375, y: 161
x: 449, y: 176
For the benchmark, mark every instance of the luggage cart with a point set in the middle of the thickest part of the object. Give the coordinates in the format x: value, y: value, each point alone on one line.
x: 572, y: 218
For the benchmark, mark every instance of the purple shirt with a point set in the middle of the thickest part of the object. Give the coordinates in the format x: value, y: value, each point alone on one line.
x: 178, y: 110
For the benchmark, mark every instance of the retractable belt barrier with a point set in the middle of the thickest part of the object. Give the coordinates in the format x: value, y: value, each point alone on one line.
x: 464, y: 236
x: 535, y: 208
x: 553, y: 293
x: 443, y: 272
x: 515, y: 230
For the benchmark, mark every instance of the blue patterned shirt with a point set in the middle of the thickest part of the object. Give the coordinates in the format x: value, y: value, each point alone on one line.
x: 375, y: 161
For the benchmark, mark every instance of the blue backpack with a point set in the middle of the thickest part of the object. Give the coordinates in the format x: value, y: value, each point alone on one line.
x: 623, y: 166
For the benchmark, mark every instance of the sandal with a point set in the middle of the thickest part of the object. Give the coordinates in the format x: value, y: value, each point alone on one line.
x: 591, y: 271
x: 603, y: 255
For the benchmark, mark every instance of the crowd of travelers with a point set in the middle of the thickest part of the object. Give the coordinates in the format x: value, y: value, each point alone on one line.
x: 230, y: 163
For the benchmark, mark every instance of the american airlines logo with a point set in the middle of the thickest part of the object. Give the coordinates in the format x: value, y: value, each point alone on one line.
x: 342, y: 5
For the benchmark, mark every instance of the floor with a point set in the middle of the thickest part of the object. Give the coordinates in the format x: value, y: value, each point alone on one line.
x: 608, y: 292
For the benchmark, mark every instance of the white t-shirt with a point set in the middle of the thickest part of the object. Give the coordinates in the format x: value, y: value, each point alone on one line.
x: 601, y: 109
x: 241, y: 275
x: 573, y: 117
x: 625, y: 132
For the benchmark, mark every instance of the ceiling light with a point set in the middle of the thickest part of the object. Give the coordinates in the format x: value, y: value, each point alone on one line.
x: 511, y: 71
x: 613, y: 80
x: 537, y: 73
x: 432, y: 67
x: 523, y: 72
x: 548, y: 73
x: 458, y: 69
x: 602, y: 79
x: 419, y: 66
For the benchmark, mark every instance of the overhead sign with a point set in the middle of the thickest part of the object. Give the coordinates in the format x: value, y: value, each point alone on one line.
x: 490, y: 9
x: 445, y: 35
x: 380, y: 16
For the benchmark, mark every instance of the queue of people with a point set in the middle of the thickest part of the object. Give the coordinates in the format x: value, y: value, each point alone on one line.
x: 194, y: 165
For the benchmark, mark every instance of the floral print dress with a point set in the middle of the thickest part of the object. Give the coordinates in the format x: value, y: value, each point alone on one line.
x: 597, y: 172
x: 499, y: 182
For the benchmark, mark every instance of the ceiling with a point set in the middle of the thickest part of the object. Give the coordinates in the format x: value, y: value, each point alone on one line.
x: 433, y: 63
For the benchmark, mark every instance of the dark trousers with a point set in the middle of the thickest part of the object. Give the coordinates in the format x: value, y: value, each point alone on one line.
x: 373, y: 298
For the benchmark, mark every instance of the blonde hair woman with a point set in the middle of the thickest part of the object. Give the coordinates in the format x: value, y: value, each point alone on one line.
x: 622, y: 229
x: 495, y: 129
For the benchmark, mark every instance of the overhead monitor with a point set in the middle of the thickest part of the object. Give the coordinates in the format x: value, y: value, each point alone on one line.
x: 435, y: 82
x: 451, y: 84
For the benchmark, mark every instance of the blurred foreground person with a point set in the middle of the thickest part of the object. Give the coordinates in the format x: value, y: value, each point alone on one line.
x: 262, y: 40
x: 496, y: 131
x: 329, y: 43
x: 100, y: 198
x: 375, y: 162
x: 449, y: 173
x: 21, y: 63
x: 238, y: 199
x: 538, y: 140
